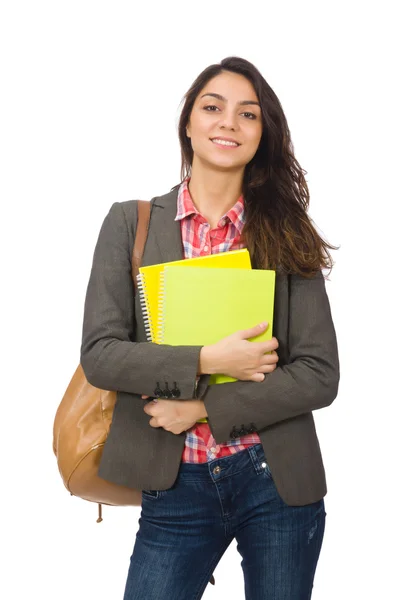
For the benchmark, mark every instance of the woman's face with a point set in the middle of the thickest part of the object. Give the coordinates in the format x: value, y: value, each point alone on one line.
x: 225, y: 125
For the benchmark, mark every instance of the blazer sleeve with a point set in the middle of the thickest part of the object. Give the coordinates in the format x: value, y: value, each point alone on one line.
x: 109, y: 358
x: 308, y: 382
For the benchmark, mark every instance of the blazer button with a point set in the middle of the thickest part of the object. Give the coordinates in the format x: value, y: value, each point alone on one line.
x: 167, y: 392
x: 158, y: 392
x: 175, y: 392
x: 234, y: 434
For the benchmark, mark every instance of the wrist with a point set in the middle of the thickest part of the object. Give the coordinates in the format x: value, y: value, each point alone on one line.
x: 201, y: 410
x: 206, y: 361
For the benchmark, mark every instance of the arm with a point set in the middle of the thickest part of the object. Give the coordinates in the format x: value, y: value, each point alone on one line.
x: 309, y: 382
x: 109, y: 358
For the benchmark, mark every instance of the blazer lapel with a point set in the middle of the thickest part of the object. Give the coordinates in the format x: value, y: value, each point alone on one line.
x: 164, y: 241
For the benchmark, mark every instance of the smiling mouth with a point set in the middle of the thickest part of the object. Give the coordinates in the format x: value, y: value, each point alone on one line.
x: 225, y: 143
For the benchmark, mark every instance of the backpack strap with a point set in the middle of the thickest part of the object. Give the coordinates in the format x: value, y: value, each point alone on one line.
x: 142, y: 229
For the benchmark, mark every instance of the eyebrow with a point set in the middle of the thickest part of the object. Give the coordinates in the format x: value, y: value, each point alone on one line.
x: 242, y: 103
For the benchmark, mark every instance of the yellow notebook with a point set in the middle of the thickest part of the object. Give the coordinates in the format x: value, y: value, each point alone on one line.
x: 202, y: 306
x: 149, y: 281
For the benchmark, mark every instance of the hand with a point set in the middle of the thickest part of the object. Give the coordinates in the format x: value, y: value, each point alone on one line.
x: 237, y: 357
x: 175, y: 416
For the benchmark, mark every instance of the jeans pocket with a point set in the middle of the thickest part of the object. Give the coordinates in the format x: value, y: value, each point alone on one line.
x: 265, y: 469
x: 151, y: 494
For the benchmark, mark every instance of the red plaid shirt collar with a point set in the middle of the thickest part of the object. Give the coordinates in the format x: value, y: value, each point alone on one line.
x: 185, y: 208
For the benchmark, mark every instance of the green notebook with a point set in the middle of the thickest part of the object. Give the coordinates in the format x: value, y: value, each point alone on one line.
x: 202, y: 306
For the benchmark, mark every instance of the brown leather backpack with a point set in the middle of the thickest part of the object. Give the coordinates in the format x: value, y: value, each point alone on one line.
x: 84, y: 416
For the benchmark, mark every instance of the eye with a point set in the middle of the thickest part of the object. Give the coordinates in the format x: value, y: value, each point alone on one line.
x: 249, y: 115
x: 210, y: 108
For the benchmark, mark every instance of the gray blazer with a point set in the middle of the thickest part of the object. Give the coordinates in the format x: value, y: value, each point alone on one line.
x: 115, y: 356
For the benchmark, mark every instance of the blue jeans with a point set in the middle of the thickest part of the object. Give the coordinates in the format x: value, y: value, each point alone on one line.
x: 185, y: 530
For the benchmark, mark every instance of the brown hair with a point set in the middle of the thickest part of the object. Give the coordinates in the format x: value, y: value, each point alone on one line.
x: 278, y: 231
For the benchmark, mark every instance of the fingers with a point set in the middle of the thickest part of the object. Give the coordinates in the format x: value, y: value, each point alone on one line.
x: 268, y: 365
x: 258, y: 377
x: 268, y: 346
x: 266, y: 368
x: 262, y: 347
x: 261, y: 372
x: 253, y: 331
x: 269, y: 359
x: 149, y: 407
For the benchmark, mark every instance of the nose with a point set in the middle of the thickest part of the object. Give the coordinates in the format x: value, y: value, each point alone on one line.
x: 229, y: 121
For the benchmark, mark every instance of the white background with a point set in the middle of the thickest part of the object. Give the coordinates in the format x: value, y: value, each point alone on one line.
x: 89, y: 105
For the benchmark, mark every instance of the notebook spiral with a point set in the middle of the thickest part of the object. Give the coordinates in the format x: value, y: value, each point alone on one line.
x: 161, y: 308
x: 147, y: 319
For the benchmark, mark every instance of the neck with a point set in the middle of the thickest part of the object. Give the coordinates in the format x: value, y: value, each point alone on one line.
x: 214, y: 192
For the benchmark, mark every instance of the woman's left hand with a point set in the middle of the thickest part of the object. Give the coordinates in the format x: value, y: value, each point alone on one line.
x: 175, y: 416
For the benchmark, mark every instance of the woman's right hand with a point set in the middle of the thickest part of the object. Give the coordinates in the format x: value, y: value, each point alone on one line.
x: 237, y: 357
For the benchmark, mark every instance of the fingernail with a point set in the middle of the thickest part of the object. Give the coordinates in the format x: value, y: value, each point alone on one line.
x: 263, y: 325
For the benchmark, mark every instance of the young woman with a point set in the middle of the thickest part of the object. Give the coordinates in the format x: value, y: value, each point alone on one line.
x: 254, y: 471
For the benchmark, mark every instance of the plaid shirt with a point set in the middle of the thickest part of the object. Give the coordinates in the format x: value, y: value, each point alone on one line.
x: 199, y: 240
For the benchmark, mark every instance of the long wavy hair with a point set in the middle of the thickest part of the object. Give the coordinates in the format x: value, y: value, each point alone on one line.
x: 278, y: 232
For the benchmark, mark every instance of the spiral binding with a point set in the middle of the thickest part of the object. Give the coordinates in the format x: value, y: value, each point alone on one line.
x: 147, y: 318
x: 161, y: 308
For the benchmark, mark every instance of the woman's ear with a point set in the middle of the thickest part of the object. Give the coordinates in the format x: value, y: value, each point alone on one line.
x: 188, y: 130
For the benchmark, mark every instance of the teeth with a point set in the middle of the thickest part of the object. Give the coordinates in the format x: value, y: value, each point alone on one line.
x: 224, y: 142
